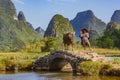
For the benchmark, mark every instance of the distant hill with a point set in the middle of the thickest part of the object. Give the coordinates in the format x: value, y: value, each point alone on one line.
x: 115, y: 22
x: 58, y: 26
x: 40, y: 31
x: 14, y: 34
x: 111, y: 26
x: 116, y: 17
x: 88, y: 20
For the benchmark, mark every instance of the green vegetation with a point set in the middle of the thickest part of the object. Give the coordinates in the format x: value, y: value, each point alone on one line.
x: 18, y: 60
x: 105, y: 42
x: 111, y: 37
x: 34, y: 46
x: 50, y: 44
x: 21, y: 55
x: 89, y: 68
x: 2, y: 66
x: 116, y: 61
x: 54, y: 33
x: 8, y: 7
x: 10, y: 64
x: 14, y: 34
x: 25, y: 65
x: 45, y: 45
x: 97, y: 68
x: 93, y: 68
x: 110, y: 40
x: 107, y: 52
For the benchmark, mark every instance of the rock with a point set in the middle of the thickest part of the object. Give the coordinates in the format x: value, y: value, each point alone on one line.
x: 116, y: 17
x: 21, y: 16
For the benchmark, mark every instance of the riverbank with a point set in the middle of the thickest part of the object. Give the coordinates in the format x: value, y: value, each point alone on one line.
x: 90, y: 68
x: 21, y: 61
x: 110, y: 67
x: 12, y: 61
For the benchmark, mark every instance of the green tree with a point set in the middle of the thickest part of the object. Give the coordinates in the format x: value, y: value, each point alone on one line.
x: 105, y: 42
x: 110, y: 40
x: 116, y: 37
x: 50, y: 44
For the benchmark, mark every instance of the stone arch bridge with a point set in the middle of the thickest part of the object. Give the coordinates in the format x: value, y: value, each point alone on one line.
x: 56, y: 60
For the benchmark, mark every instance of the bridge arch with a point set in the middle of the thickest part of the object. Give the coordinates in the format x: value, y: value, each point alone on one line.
x: 56, y: 60
x: 58, y: 63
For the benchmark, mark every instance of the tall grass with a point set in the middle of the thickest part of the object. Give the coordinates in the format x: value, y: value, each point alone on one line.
x: 18, y: 61
x: 93, y: 68
x: 21, y: 55
x: 106, y: 51
x: 89, y: 68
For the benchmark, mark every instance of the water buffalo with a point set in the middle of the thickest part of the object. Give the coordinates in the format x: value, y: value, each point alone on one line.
x: 68, y: 39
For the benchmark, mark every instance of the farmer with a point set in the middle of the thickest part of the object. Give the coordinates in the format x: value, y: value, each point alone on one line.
x: 84, y: 35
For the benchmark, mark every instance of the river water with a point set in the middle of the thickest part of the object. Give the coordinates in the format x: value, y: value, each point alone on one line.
x: 51, y: 76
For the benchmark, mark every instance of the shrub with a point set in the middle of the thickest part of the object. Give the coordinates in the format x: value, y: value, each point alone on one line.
x: 34, y: 46
x: 105, y: 42
x: 25, y: 65
x: 116, y: 61
x: 89, y: 68
x: 17, y: 44
x: 2, y: 66
x: 105, y: 69
x: 50, y: 44
x: 109, y: 39
x: 94, y: 68
x: 10, y: 64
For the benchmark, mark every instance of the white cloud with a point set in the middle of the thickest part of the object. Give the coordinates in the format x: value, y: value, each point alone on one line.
x: 19, y: 1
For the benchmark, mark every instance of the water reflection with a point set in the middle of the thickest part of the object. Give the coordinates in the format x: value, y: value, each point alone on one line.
x: 51, y: 76
x: 68, y: 76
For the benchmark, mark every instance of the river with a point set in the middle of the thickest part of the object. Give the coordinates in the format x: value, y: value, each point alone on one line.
x: 50, y: 76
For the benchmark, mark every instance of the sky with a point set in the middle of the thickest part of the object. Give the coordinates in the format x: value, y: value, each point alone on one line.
x: 40, y: 12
